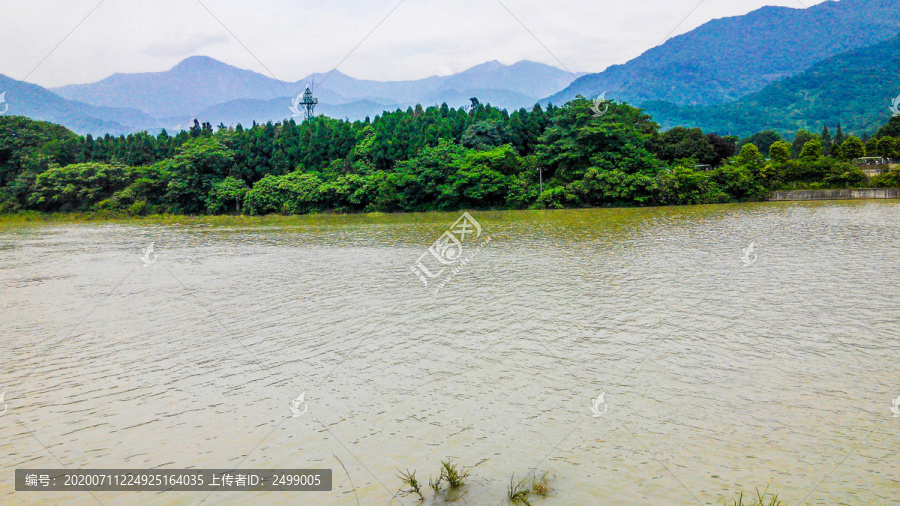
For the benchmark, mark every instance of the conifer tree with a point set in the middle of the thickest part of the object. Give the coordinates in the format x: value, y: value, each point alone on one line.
x: 839, y: 137
x: 826, y: 141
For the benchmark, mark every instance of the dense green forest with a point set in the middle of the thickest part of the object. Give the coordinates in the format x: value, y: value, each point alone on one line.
x: 420, y: 160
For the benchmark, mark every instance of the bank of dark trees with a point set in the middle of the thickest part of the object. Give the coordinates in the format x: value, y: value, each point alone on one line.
x: 417, y: 160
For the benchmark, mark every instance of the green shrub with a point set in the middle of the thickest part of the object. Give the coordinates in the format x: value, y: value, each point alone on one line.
x: 294, y: 193
x: 556, y: 198
x: 226, y: 195
x: 845, y: 175
x: 78, y: 187
x: 888, y: 180
x: 684, y: 185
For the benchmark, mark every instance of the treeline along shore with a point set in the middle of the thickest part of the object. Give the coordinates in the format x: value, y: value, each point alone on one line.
x: 434, y: 159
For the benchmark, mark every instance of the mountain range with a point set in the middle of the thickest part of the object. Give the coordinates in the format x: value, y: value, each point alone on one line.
x: 776, y: 67
x: 726, y: 59
x: 35, y: 102
x: 202, y: 87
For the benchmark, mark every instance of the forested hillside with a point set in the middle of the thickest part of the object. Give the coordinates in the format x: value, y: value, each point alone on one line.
x: 855, y: 89
x: 437, y: 158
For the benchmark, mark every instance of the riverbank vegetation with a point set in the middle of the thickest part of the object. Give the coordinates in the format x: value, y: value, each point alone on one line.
x: 762, y: 499
x: 434, y: 159
x: 522, y: 491
x: 450, y: 485
x: 525, y: 490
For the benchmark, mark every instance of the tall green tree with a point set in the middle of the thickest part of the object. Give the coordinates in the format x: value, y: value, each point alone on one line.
x: 852, y: 148
x: 812, y: 150
x: 193, y: 172
x: 892, y: 128
x: 780, y: 152
x: 800, y: 139
x: 887, y: 146
x: 681, y: 143
x: 872, y: 146
x: 839, y: 136
x: 826, y: 141
x: 762, y: 140
x: 750, y: 157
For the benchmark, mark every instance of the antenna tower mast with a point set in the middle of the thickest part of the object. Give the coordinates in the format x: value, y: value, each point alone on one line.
x: 309, y: 103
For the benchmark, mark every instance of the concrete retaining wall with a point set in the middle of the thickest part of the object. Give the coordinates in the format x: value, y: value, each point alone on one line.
x: 864, y: 193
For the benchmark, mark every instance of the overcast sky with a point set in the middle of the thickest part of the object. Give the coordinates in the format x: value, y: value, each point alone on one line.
x: 292, y: 38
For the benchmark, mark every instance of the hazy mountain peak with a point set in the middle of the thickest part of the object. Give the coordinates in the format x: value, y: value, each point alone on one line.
x: 492, y: 65
x: 201, y: 63
x: 319, y: 76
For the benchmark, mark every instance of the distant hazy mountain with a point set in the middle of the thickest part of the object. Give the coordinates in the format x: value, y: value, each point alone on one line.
x: 855, y: 89
x: 216, y: 92
x: 525, y: 77
x: 726, y: 59
x: 35, y: 102
x: 246, y: 111
x: 526, y: 81
x: 190, y: 86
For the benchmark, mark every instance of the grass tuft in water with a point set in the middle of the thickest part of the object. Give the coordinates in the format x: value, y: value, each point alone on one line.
x: 409, y: 480
x: 541, y: 486
x: 762, y: 499
x: 518, y: 492
x: 435, y: 484
x: 454, y: 475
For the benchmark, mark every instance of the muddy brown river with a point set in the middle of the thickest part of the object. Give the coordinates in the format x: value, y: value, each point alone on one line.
x: 639, y: 356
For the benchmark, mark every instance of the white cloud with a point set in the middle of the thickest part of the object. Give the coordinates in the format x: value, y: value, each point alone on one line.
x: 293, y: 38
x: 178, y: 45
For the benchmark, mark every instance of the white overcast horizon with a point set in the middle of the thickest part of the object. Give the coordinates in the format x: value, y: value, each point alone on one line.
x: 289, y: 40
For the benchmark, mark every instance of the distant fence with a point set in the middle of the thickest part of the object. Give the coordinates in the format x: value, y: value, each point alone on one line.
x: 862, y: 193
